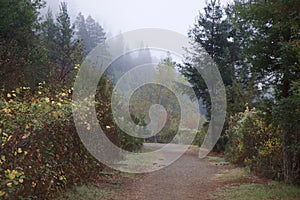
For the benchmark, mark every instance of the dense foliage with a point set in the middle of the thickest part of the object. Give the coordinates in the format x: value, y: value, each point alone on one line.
x: 255, y: 143
x: 256, y: 47
x: 272, y: 49
x: 40, y: 151
x: 19, y: 44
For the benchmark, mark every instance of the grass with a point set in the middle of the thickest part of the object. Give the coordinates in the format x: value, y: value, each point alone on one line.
x: 194, y: 148
x: 234, y: 174
x: 249, y: 191
x: 241, y: 190
x: 217, y: 160
x: 254, y: 191
x: 90, y: 192
x: 86, y: 192
x: 137, y: 161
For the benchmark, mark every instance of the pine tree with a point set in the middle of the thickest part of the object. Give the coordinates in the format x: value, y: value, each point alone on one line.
x: 243, y: 90
x: 213, y: 34
x: 95, y: 31
x: 48, y: 37
x: 83, y: 34
x: 68, y: 50
x: 62, y: 49
x: 89, y: 32
x: 273, y: 51
x: 210, y: 33
x: 20, y: 52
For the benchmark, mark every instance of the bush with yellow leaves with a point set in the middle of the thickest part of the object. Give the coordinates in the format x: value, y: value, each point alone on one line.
x: 255, y: 143
x: 40, y: 151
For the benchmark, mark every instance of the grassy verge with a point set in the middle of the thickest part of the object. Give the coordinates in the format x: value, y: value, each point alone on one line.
x: 109, y: 182
x: 87, y: 192
x: 134, y: 162
x: 240, y: 184
x: 255, y: 191
x: 217, y: 160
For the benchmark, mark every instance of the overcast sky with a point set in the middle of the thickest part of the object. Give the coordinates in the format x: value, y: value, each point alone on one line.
x: 124, y: 15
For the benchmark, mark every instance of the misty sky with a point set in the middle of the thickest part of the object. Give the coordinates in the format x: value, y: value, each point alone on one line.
x: 124, y: 15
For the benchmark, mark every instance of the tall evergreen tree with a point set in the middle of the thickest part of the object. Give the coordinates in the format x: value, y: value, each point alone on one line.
x: 243, y: 90
x: 68, y: 50
x: 273, y: 50
x: 214, y: 34
x: 20, y: 53
x: 95, y: 31
x: 83, y: 34
x: 210, y: 33
x: 48, y: 37
x: 64, y: 41
x: 89, y: 32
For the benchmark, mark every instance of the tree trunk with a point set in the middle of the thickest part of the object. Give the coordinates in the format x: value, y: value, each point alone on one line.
x: 287, y: 158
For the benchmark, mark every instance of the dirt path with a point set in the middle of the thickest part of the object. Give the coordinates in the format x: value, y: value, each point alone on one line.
x: 187, y: 178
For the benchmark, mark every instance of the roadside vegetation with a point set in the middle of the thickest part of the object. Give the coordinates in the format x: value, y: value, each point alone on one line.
x: 255, y: 44
x: 237, y: 183
x: 255, y: 191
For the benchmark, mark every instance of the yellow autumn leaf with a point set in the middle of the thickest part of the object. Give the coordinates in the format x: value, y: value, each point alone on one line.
x: 20, y: 150
x: 8, y: 95
x: 9, y: 137
x: 2, y: 193
x: 11, y: 176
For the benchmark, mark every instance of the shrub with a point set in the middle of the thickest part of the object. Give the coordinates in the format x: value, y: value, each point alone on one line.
x: 200, y: 136
x: 40, y: 151
x: 255, y: 143
x: 106, y: 118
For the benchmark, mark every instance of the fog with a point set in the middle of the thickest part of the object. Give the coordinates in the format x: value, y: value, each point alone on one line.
x: 119, y: 16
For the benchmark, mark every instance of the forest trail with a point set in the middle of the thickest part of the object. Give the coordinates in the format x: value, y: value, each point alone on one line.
x: 187, y: 178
